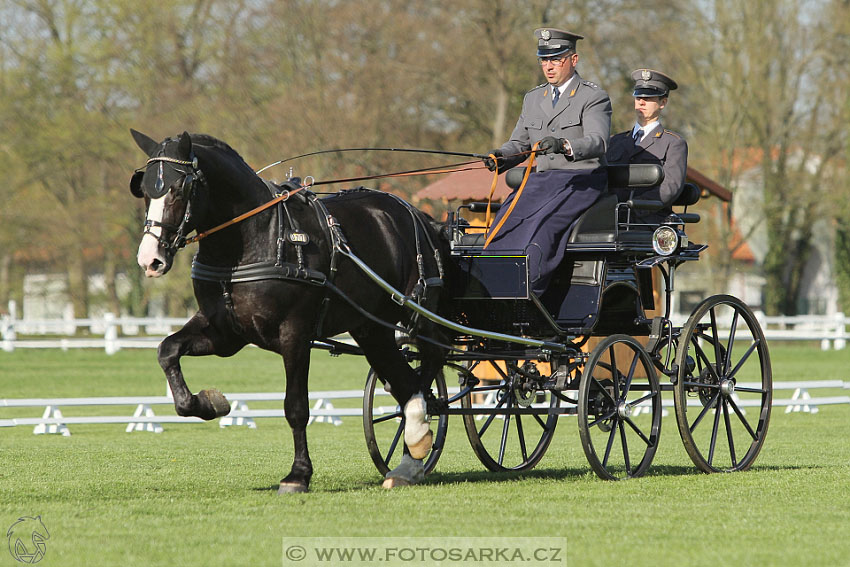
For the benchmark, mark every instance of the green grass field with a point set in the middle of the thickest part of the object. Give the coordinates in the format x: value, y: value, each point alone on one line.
x: 199, y: 494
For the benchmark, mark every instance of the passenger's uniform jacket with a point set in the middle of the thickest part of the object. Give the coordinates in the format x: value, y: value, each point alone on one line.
x: 582, y: 116
x: 660, y: 146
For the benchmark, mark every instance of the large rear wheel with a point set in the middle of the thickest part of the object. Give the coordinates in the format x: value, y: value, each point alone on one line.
x: 724, y: 385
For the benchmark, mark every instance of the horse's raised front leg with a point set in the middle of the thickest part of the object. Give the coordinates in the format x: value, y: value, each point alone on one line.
x: 296, y: 360
x: 196, y: 338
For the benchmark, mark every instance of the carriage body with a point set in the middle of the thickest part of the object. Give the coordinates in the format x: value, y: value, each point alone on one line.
x: 604, y: 284
x: 618, y: 351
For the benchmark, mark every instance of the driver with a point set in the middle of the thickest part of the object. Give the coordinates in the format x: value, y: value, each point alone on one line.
x: 571, y: 120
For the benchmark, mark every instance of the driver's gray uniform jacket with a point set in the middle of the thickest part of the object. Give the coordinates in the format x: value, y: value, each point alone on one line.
x: 582, y: 116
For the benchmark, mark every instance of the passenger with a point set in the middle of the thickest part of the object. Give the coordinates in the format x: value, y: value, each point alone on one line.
x: 571, y: 119
x: 649, y: 142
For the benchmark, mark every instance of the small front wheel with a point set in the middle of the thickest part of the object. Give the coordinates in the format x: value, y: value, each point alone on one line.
x: 510, y: 423
x: 619, y: 409
x: 383, y: 425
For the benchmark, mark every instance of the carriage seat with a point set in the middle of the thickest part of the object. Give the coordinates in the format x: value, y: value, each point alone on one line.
x: 597, y: 223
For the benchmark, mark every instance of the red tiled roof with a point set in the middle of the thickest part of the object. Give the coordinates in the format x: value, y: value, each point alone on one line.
x: 472, y: 184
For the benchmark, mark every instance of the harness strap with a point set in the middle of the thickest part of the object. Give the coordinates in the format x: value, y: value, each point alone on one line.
x: 282, y: 197
x: 330, y: 227
x: 256, y: 272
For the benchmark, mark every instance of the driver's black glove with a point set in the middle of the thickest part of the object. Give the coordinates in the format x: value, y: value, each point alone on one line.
x: 551, y: 145
x: 493, y: 164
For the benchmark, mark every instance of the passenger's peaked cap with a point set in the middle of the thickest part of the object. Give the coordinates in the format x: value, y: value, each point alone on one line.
x: 649, y: 82
x: 551, y: 41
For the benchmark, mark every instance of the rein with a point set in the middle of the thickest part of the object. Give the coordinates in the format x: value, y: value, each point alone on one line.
x: 513, y: 203
x: 280, y: 198
x: 450, y: 168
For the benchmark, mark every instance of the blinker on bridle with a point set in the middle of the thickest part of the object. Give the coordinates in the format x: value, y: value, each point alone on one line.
x: 186, y: 192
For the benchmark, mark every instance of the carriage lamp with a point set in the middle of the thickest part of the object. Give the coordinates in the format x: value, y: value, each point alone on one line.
x: 665, y: 240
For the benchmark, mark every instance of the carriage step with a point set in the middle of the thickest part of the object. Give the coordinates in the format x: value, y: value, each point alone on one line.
x: 655, y: 333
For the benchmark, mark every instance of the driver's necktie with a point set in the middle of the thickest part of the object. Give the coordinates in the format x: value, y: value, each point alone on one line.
x: 638, y: 135
x: 555, y: 96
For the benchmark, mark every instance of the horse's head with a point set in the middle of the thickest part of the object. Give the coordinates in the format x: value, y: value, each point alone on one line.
x: 167, y: 183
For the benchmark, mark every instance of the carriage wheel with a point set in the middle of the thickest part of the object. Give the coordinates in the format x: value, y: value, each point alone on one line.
x: 514, y: 428
x: 619, y: 409
x: 724, y: 385
x: 383, y: 424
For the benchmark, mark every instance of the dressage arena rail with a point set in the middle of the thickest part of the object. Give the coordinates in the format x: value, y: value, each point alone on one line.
x: 112, y: 333
x: 323, y: 411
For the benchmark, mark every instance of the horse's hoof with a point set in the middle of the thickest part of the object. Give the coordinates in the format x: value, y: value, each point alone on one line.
x: 420, y: 449
x: 291, y: 488
x: 216, y: 401
x: 390, y: 483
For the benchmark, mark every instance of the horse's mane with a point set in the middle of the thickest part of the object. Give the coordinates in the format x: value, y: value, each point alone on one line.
x: 213, y: 142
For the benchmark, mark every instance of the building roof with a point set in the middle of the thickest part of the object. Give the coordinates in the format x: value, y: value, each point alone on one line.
x: 470, y: 184
x: 474, y: 185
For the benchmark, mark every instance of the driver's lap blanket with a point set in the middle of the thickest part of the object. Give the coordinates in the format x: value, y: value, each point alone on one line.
x: 539, y: 224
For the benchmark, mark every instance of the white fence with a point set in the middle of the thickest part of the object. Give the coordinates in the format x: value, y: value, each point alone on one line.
x: 108, y: 332
x: 144, y: 418
x: 829, y: 330
x: 113, y: 333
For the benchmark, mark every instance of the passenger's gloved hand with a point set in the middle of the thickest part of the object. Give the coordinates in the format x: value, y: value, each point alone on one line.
x: 551, y: 145
x: 493, y: 164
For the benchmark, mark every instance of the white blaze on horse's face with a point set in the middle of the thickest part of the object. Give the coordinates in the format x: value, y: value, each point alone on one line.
x: 151, y: 257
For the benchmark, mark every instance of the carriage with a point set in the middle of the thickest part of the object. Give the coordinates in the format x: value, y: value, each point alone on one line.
x: 595, y: 346
x: 280, y: 267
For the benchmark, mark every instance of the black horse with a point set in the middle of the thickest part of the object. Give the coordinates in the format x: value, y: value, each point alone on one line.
x: 276, y: 280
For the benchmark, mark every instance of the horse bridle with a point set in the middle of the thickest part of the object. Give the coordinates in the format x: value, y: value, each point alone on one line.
x: 187, y: 191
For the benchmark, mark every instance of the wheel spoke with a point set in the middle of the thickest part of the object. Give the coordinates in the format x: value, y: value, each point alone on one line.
x: 604, y: 391
x: 702, y: 385
x: 394, y: 444
x: 640, y: 433
x: 744, y: 359
x: 491, y: 417
x: 388, y: 417
x: 501, y: 372
x: 599, y: 420
x: 504, y: 443
x: 743, y: 419
x: 615, y: 373
x: 639, y: 401
x: 610, y: 444
x: 704, y: 411
x: 625, y: 443
x: 521, y: 436
x: 729, y: 344
x: 714, y: 432
x: 539, y: 421
x: 718, y: 355
x: 729, y: 436
x: 711, y: 368
x: 750, y: 390
x: 630, y: 375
